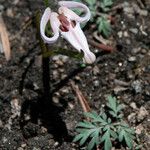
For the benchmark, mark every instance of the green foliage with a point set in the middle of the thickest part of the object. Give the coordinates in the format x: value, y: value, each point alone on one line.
x: 126, y: 133
x: 105, y: 128
x: 104, y: 26
x: 105, y: 5
x: 99, y: 7
x: 115, y: 107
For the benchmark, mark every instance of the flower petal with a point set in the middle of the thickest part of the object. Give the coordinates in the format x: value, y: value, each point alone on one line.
x: 71, y: 4
x: 89, y: 57
x: 77, y: 39
x: 68, y: 13
x: 52, y: 17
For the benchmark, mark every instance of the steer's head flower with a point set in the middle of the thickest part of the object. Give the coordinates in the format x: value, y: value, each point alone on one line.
x: 67, y: 23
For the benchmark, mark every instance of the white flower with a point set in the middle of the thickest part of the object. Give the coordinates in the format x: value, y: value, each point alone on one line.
x: 67, y: 23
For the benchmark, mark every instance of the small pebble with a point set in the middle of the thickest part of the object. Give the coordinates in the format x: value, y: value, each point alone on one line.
x: 136, y: 50
x: 23, y: 145
x: 142, y: 114
x: 55, y: 100
x: 71, y: 105
x: 136, y: 85
x: 134, y: 30
x: 139, y: 129
x: 133, y: 105
x: 96, y: 83
x: 132, y: 59
x: 20, y: 148
x: 120, y: 34
x: 56, y: 144
x: 132, y: 117
x: 126, y: 34
x: 1, y: 124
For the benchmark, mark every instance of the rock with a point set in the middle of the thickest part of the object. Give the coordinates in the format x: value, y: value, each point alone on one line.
x: 1, y: 8
x: 55, y: 74
x: 96, y: 70
x: 10, y: 13
x: 120, y: 34
x: 132, y: 117
x: 130, y: 75
x: 118, y: 89
x: 136, y: 50
x: 1, y: 124
x: 132, y: 59
x: 34, y: 148
x: 20, y: 148
x: 136, y: 85
x: 56, y: 144
x: 36, y: 87
x: 133, y: 105
x: 142, y: 114
x: 128, y: 10
x: 55, y: 100
x: 126, y: 34
x: 71, y: 106
x: 96, y: 83
x: 139, y: 129
x: 121, y: 83
x: 139, y: 11
x: 23, y: 145
x: 128, y: 41
x: 43, y: 130
x: 134, y: 30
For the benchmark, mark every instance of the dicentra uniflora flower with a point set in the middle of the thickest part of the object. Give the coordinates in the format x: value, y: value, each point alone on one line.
x: 67, y: 23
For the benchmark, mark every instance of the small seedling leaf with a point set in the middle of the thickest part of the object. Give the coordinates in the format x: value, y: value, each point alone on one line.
x: 94, y: 141
x: 107, y: 141
x: 91, y: 2
x: 86, y: 125
x: 77, y: 137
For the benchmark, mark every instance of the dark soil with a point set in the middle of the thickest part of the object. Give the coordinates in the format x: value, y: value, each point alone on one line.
x: 33, y: 118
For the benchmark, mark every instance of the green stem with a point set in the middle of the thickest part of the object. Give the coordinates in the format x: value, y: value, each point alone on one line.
x: 46, y: 2
x: 45, y: 61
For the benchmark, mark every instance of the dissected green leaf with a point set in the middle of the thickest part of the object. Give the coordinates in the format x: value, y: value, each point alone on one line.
x: 101, y: 129
x: 113, y: 134
x: 77, y: 137
x: 90, y: 2
x: 85, y: 137
x: 106, y: 138
x: 88, y: 130
x: 120, y: 107
x: 92, y: 115
x: 86, y: 125
x: 94, y: 141
x: 127, y: 134
x: 115, y: 107
x: 106, y: 4
x: 112, y: 103
x: 104, y: 116
x: 104, y: 26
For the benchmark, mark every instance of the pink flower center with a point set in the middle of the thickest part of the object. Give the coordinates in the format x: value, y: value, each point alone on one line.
x: 65, y: 24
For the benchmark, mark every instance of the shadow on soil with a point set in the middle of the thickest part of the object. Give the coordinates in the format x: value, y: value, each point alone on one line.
x: 43, y: 109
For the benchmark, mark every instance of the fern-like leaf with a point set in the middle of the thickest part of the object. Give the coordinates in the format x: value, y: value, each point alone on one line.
x: 106, y: 4
x: 104, y: 26
x: 127, y: 134
x: 88, y: 131
x: 115, y: 107
x: 106, y: 138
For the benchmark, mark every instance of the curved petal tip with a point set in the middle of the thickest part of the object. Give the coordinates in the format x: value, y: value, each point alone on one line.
x: 89, y: 58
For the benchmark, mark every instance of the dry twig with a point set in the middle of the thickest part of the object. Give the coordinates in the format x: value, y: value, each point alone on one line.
x: 101, y: 46
x: 4, y: 40
x: 82, y: 99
